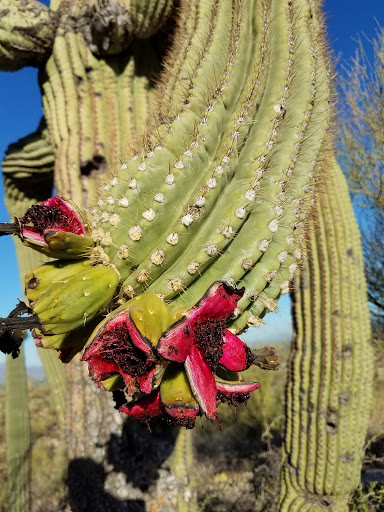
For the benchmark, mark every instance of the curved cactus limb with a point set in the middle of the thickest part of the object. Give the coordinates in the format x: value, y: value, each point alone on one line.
x: 27, y: 30
x: 31, y: 156
x: 330, y: 372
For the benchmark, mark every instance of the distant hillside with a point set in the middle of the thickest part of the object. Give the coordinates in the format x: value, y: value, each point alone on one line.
x: 35, y: 373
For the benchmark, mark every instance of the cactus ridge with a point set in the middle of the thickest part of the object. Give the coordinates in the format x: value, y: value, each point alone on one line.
x: 148, y: 16
x: 187, y: 168
x: 334, y: 410
x: 205, y: 194
x: 300, y: 162
x: 31, y: 152
x: 298, y: 188
x: 173, y: 87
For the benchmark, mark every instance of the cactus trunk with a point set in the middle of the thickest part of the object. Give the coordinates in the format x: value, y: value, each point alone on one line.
x: 18, y: 435
x: 329, y: 389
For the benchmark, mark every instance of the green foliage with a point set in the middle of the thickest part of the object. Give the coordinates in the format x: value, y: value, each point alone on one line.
x: 367, y: 498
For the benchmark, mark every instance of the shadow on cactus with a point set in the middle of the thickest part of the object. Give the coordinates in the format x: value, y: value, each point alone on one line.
x: 158, y: 364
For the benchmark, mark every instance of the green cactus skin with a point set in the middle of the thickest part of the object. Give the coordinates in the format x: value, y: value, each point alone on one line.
x: 28, y: 33
x: 147, y: 16
x: 181, y: 462
x: 331, y: 365
x: 244, y: 171
x: 32, y: 152
x: 17, y: 434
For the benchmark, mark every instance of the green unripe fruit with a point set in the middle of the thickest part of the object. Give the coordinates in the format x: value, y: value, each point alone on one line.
x: 175, y: 390
x: 150, y: 315
x: 73, y: 302
x: 38, y: 280
x: 113, y: 383
x: 67, y: 245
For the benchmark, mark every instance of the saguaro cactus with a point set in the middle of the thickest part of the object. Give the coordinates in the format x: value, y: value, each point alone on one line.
x: 17, y: 435
x: 207, y: 174
x: 330, y: 373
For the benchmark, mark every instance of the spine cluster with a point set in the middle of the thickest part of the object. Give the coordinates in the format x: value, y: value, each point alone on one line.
x: 225, y: 179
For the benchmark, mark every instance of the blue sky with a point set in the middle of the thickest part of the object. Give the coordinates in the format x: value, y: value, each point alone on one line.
x: 21, y: 111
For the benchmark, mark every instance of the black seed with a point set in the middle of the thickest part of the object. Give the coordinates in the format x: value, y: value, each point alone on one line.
x: 118, y: 348
x: 43, y: 218
x: 249, y: 358
x: 209, y: 336
x: 233, y: 398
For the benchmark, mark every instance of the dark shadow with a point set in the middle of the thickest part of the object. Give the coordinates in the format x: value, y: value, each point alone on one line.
x: 138, y: 453
x: 86, y: 490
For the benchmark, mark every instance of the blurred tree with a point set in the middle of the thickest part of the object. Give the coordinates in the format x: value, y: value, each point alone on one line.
x: 362, y: 159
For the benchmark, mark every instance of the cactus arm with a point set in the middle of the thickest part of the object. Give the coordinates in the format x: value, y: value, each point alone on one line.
x: 195, y: 175
x: 88, y: 104
x: 330, y: 371
x: 299, y: 137
x: 27, y: 30
x: 17, y: 434
x: 181, y: 462
x: 29, y: 157
x: 28, y: 172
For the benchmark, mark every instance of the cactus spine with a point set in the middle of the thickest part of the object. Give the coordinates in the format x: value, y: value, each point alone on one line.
x: 330, y: 372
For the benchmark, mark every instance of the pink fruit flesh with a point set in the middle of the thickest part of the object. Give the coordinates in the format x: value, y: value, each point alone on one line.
x: 145, y: 408
x: 203, y: 324
x: 54, y: 214
x: 202, y: 382
x: 236, y: 355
